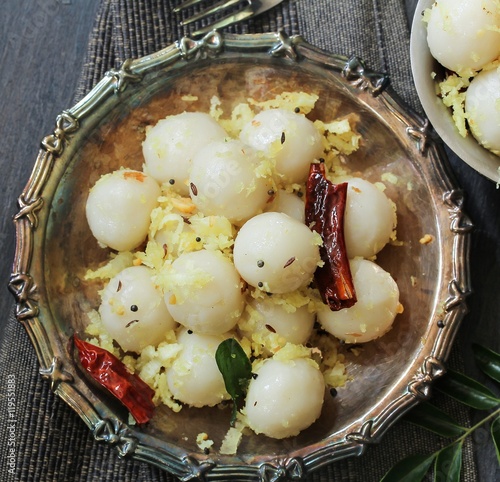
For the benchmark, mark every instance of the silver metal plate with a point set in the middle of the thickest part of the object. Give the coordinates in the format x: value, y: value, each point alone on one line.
x: 103, y: 132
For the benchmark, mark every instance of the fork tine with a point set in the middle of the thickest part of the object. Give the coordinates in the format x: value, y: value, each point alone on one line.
x: 217, y: 7
x: 226, y: 21
x: 186, y: 4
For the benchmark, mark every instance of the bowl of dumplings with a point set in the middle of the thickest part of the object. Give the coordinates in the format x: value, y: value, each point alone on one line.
x: 455, y: 56
x: 237, y: 262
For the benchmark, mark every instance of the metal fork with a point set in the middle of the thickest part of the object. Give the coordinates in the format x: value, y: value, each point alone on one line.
x: 251, y: 8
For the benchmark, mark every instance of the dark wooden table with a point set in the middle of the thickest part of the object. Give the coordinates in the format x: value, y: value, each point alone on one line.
x: 43, y: 43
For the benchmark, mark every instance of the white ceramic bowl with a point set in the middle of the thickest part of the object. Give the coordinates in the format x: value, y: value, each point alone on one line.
x: 423, y: 64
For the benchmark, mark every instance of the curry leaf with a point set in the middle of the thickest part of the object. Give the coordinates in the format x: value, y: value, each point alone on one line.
x: 410, y: 469
x: 236, y: 370
x: 467, y: 391
x: 448, y: 463
x: 432, y: 418
x: 488, y: 361
x: 495, y: 433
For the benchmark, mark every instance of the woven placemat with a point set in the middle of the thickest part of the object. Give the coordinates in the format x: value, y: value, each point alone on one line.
x: 52, y: 443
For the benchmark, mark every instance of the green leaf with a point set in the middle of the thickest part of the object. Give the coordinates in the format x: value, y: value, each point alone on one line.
x: 488, y: 361
x: 448, y: 463
x: 236, y: 370
x: 410, y: 469
x: 467, y: 391
x: 432, y: 418
x: 495, y: 433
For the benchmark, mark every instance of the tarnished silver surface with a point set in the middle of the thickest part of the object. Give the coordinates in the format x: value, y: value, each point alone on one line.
x: 245, y: 9
x: 54, y: 248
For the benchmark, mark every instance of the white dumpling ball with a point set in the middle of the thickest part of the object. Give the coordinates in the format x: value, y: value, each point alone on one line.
x: 170, y: 145
x: 276, y: 253
x: 175, y: 235
x: 171, y: 237
x: 119, y: 208
x: 288, y: 137
x: 208, y: 298
x: 133, y: 310
x: 482, y: 106
x: 464, y: 34
x: 224, y: 181
x: 262, y: 317
x: 375, y: 310
x: 285, y: 398
x: 194, y: 377
x: 288, y: 203
x: 369, y: 219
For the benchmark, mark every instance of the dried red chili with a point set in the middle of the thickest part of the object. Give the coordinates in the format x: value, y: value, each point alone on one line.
x: 113, y: 375
x: 325, y: 207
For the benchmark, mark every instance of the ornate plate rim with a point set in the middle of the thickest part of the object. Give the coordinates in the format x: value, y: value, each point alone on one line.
x: 129, y: 442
